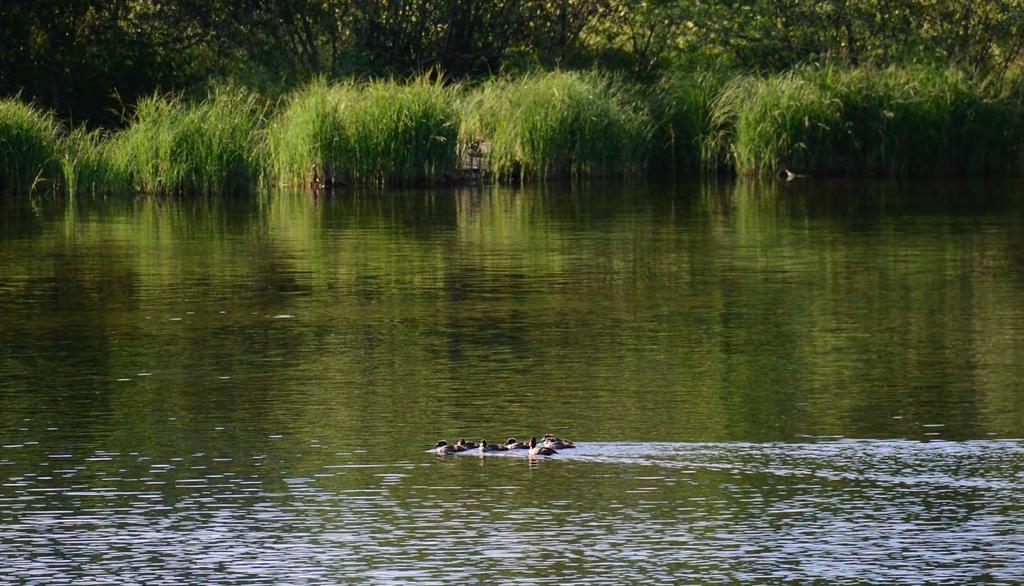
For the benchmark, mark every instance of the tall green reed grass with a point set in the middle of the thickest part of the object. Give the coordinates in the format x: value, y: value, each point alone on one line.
x: 896, y: 121
x: 558, y: 124
x: 682, y: 107
x: 211, y: 147
x: 899, y: 121
x: 376, y: 133
x: 29, y: 147
x: 89, y: 165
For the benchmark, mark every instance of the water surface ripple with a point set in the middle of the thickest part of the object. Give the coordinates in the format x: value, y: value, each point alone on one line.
x: 867, y: 511
x: 801, y: 382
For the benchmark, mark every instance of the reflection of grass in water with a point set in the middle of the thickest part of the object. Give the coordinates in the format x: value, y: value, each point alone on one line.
x: 747, y: 216
x: 291, y: 216
x: 757, y: 216
x: 364, y: 240
x: 510, y: 229
x: 684, y: 331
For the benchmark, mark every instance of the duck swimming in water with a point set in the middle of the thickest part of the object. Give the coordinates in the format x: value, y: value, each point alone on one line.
x: 557, y: 443
x: 540, y: 450
x: 462, y: 445
x: 486, y: 447
x: 514, y: 444
x: 443, y: 448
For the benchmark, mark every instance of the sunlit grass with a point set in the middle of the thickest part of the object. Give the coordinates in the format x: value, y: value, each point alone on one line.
x: 902, y: 121
x: 29, y: 147
x: 210, y: 147
x: 89, y: 166
x: 893, y: 121
x: 377, y: 133
x: 557, y: 124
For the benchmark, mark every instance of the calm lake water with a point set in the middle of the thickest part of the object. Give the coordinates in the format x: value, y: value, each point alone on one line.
x: 768, y: 382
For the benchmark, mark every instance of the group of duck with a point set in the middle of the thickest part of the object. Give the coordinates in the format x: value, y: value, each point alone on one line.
x: 548, y: 446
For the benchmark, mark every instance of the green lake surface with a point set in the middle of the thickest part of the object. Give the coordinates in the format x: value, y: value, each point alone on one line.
x: 768, y: 382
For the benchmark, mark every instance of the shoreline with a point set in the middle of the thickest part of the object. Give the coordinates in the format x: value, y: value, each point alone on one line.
x: 808, y: 122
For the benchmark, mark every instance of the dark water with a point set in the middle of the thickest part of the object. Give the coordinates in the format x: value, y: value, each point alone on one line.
x: 769, y: 383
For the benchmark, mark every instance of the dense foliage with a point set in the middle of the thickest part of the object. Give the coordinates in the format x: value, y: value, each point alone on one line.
x: 136, y: 95
x: 88, y: 58
x: 892, y: 121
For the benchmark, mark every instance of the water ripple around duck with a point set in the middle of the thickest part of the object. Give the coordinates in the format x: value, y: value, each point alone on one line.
x: 839, y: 511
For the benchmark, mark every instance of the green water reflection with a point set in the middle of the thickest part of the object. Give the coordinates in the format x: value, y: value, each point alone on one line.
x: 676, y: 313
x: 226, y: 391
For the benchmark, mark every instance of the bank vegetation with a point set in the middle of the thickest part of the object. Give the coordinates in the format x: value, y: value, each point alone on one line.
x: 897, y: 121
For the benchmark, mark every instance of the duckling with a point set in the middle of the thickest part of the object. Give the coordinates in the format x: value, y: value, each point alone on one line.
x: 539, y: 450
x: 443, y: 448
x: 486, y: 447
x: 557, y: 443
x: 462, y: 445
x: 790, y: 176
x: 514, y: 444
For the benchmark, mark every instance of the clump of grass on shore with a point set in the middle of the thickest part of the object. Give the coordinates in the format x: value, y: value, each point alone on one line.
x: 894, y: 121
x: 924, y: 121
x: 29, y: 147
x: 779, y: 121
x: 89, y: 165
x: 558, y: 124
x: 211, y: 147
x: 377, y: 133
x: 682, y: 108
